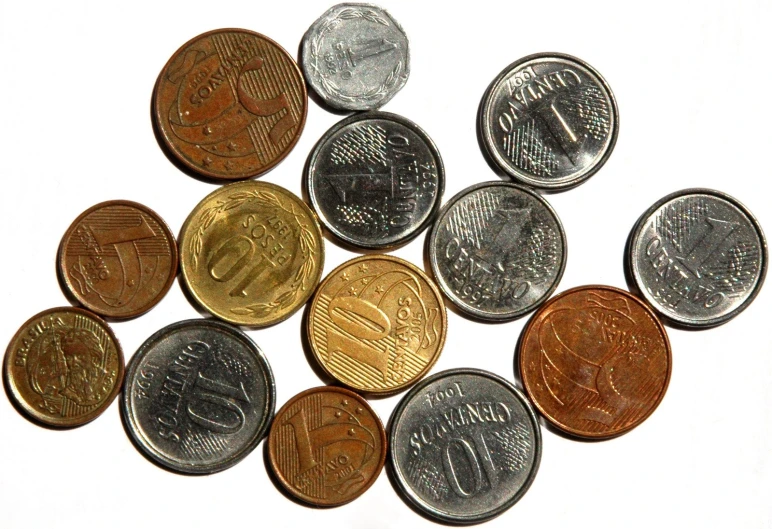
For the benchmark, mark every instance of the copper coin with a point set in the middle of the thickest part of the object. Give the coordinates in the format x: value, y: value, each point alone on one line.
x: 595, y: 361
x: 118, y: 259
x: 327, y: 446
x: 230, y: 104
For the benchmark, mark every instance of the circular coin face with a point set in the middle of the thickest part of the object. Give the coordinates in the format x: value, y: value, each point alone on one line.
x: 327, y: 446
x: 118, y: 259
x: 230, y: 104
x: 251, y: 253
x: 199, y: 396
x: 377, y: 324
x: 549, y: 121
x: 464, y: 446
x: 497, y: 250
x: 595, y: 361
x: 376, y: 180
x: 698, y: 257
x: 64, y: 367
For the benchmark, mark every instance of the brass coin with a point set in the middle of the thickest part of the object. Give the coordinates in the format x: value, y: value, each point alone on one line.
x: 377, y: 324
x: 64, y: 367
x: 327, y: 446
x: 230, y: 104
x: 251, y: 253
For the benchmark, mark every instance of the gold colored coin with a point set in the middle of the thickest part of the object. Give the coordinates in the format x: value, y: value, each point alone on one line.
x: 251, y: 253
x: 377, y: 324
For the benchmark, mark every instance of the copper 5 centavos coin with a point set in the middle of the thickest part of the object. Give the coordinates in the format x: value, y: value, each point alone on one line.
x: 464, y: 446
x: 549, y: 121
x: 199, y: 396
x: 377, y: 324
x: 375, y: 179
x: 64, y: 367
x: 230, y: 104
x: 118, y: 259
x: 595, y: 361
x: 497, y: 250
x: 327, y: 446
x: 698, y: 257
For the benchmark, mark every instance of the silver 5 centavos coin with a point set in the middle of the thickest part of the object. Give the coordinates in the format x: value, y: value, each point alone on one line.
x: 199, y: 396
x: 355, y: 57
x: 549, y: 120
x: 375, y: 179
x: 497, y: 250
x: 464, y: 446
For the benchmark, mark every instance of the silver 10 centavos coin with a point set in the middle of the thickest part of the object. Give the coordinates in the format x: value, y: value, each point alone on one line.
x: 698, y: 257
x: 199, y: 396
x: 464, y: 446
x: 355, y: 57
x: 497, y: 250
x: 549, y: 121
x: 375, y: 180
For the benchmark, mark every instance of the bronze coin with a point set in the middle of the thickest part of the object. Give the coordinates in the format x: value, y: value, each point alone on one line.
x: 230, y: 104
x: 327, y: 446
x: 118, y: 259
x: 595, y: 361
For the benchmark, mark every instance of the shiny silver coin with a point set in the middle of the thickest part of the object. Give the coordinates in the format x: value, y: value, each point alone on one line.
x: 549, y: 121
x: 375, y: 180
x: 698, y: 257
x: 464, y: 446
x: 497, y: 250
x: 199, y: 396
x: 355, y: 57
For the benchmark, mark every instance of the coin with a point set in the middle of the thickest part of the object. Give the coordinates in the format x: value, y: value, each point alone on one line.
x: 549, y: 121
x: 118, y: 259
x: 251, y: 253
x: 698, y: 257
x: 464, y: 445
x: 375, y: 179
x: 199, y: 396
x: 64, y: 367
x: 497, y: 250
x: 595, y: 361
x: 355, y: 56
x: 230, y: 104
x: 327, y: 446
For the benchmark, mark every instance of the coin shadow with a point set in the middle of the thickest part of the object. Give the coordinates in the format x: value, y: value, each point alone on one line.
x: 316, y: 98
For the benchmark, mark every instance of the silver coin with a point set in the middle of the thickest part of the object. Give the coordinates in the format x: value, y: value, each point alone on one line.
x: 199, y: 396
x: 698, y: 256
x: 549, y: 121
x: 375, y: 180
x: 464, y: 446
x: 497, y: 250
x: 355, y: 57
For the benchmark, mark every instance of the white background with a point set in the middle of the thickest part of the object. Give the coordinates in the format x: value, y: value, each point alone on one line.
x: 692, y: 81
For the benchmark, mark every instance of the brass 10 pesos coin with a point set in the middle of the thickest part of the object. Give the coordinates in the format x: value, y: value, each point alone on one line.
x: 377, y: 324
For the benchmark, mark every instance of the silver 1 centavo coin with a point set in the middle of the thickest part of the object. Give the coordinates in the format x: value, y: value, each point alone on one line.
x: 497, y: 250
x: 199, y: 396
x: 464, y: 446
x: 549, y: 121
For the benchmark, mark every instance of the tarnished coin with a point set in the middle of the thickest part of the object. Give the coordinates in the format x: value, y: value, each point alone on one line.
x: 549, y: 121
x: 375, y: 179
x: 497, y: 250
x: 118, y: 259
x: 355, y: 57
x: 377, y: 324
x: 595, y: 361
x: 230, y: 104
x: 464, y: 446
x: 64, y: 367
x: 251, y: 253
x: 327, y: 446
x: 698, y: 257
x: 199, y: 396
